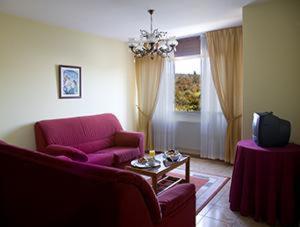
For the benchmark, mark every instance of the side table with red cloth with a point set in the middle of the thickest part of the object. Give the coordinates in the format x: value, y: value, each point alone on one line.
x: 266, y: 183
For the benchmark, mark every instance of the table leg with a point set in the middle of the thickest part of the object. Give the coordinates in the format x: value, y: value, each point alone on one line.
x: 187, y: 170
x: 154, y: 183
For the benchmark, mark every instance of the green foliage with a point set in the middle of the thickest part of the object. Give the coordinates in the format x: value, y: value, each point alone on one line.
x: 187, y: 92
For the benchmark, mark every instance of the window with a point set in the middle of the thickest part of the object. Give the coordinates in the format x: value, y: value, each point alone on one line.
x: 187, y: 84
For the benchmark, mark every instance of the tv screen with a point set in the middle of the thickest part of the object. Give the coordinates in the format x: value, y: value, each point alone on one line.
x: 269, y: 130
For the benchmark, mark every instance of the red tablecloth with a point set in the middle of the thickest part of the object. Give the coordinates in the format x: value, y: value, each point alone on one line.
x: 266, y: 183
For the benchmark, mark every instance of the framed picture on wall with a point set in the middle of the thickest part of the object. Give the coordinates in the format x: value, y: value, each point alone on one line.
x: 69, y: 81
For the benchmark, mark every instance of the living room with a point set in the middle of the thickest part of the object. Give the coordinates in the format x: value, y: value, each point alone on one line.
x: 40, y: 40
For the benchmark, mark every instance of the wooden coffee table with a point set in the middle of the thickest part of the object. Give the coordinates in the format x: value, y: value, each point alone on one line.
x: 158, y: 174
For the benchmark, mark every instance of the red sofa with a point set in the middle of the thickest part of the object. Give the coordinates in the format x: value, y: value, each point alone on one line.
x: 40, y: 190
x: 97, y: 139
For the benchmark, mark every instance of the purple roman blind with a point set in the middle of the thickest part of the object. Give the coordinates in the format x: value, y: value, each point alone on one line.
x: 188, y: 46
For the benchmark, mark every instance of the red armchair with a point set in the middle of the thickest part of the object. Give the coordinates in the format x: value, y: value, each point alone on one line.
x: 97, y: 139
x: 40, y: 190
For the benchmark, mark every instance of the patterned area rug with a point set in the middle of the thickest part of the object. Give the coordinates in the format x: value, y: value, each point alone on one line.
x: 207, y: 185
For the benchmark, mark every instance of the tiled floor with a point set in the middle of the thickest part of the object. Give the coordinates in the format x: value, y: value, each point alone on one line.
x: 217, y: 212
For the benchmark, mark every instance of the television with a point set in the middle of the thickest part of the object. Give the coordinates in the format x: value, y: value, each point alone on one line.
x: 269, y: 130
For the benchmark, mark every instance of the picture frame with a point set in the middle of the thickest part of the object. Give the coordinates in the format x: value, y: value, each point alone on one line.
x: 69, y: 81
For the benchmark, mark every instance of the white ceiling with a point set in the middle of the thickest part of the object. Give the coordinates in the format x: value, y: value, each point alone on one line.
x: 121, y: 19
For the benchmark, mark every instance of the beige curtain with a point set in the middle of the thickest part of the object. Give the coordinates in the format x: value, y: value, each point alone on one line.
x: 225, y: 52
x: 148, y: 73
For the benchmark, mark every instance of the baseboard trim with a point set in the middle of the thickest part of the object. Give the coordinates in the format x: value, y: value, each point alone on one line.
x: 191, y: 152
x: 196, y: 154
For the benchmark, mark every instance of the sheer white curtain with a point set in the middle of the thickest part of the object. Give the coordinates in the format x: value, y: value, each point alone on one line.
x: 163, y: 121
x: 213, y: 123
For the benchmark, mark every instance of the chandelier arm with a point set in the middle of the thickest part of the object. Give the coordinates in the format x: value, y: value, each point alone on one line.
x: 133, y: 50
x: 152, y: 46
x: 167, y: 51
x: 171, y: 49
x: 137, y: 52
x: 148, y: 51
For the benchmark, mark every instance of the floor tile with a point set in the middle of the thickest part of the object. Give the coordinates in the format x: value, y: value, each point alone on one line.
x: 210, y: 222
x: 198, y: 218
x: 248, y: 222
x: 222, y: 214
x: 223, y: 201
x: 206, y: 209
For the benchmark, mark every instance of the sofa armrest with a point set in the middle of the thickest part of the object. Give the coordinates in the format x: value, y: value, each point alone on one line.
x: 175, y: 197
x: 70, y: 152
x: 130, y: 139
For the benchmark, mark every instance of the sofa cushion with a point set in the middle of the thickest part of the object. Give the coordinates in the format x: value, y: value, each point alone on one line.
x: 105, y: 159
x: 70, y: 152
x: 122, y: 154
x: 91, y: 147
x: 126, y: 154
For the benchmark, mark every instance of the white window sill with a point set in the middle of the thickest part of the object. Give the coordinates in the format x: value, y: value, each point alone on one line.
x: 181, y: 116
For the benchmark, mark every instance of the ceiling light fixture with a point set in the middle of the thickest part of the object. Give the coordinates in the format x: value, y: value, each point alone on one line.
x: 152, y: 43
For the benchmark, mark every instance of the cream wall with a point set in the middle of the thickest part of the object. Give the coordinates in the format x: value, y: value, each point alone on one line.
x: 29, y: 55
x: 272, y: 62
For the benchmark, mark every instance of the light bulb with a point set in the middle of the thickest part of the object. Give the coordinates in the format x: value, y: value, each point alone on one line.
x: 162, y: 45
x: 172, y: 41
x: 132, y: 43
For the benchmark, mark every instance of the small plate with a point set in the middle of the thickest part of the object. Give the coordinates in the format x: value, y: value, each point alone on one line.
x: 135, y: 163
